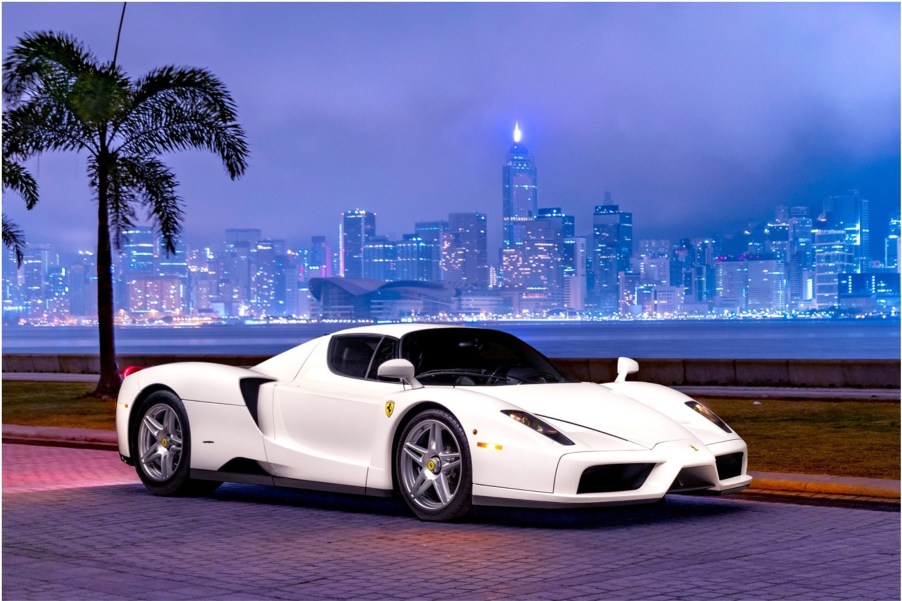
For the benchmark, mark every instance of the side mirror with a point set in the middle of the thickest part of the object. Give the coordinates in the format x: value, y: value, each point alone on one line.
x: 401, y: 369
x: 625, y: 366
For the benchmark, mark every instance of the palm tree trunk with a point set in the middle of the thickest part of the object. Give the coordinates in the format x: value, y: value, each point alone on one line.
x: 109, y: 373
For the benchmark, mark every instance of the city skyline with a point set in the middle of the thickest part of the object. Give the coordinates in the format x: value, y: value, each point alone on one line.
x: 794, y: 266
x: 697, y: 118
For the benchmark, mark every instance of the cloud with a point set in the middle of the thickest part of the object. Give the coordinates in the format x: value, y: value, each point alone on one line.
x: 695, y: 116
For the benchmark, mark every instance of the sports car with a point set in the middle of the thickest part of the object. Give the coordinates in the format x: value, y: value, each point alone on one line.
x: 446, y: 417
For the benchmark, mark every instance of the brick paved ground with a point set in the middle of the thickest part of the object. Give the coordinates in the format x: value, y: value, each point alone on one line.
x: 101, y: 536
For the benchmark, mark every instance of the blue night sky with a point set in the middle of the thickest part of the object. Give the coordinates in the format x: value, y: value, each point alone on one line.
x: 698, y: 118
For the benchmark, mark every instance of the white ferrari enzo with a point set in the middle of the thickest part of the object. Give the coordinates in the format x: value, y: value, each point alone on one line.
x: 446, y: 417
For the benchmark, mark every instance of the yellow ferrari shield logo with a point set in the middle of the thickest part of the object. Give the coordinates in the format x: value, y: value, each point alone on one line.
x: 389, y: 408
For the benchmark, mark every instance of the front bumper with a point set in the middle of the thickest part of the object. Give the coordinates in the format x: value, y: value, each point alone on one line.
x: 675, y: 467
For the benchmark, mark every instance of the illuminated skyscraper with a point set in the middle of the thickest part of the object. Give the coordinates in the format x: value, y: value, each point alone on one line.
x: 435, y: 235
x: 575, y: 273
x: 766, y: 283
x: 732, y: 277
x: 465, y: 260
x: 612, y: 249
x: 319, y: 261
x: 800, y: 261
x: 891, y: 245
x: 356, y: 228
x: 37, y: 261
x: 563, y: 227
x: 138, y: 251
x: 136, y: 261
x: 538, y: 264
x: 850, y: 213
x: 831, y: 259
x: 379, y: 259
x: 268, y: 258
x: 238, y: 259
x: 519, y: 192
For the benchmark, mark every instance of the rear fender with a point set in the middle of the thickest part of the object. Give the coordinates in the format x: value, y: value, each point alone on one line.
x: 223, y: 426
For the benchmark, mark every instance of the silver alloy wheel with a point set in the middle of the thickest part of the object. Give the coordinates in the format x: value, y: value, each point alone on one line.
x: 430, y: 465
x: 160, y: 442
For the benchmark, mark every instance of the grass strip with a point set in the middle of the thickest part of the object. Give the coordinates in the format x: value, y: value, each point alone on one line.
x: 57, y: 404
x: 859, y: 439
x: 807, y: 437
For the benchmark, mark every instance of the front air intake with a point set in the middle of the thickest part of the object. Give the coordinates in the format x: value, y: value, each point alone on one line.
x: 614, y: 478
x: 729, y: 466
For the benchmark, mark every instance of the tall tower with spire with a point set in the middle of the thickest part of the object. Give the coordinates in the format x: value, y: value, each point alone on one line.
x: 519, y: 192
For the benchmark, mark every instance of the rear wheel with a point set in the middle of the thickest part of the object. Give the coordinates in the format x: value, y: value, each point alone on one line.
x: 433, y: 467
x: 162, y: 447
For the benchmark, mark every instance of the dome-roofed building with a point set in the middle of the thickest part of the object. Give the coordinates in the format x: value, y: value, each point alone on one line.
x: 352, y: 298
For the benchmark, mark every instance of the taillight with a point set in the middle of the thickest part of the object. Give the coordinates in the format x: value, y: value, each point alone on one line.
x: 129, y: 370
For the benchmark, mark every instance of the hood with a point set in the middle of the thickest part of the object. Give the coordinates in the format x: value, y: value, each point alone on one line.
x: 595, y: 407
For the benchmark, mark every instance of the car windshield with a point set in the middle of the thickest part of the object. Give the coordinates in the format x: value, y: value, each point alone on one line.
x: 476, y: 357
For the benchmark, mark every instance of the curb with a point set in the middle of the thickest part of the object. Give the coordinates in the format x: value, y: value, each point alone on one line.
x: 826, y: 485
x: 771, y: 482
x: 61, y: 437
x: 878, y: 395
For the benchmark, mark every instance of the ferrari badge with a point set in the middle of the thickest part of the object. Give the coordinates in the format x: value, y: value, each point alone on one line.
x: 389, y: 408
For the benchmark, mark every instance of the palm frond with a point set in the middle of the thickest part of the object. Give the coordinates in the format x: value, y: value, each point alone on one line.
x: 19, y: 180
x: 181, y: 109
x: 145, y: 181
x: 42, y: 64
x: 38, y: 127
x: 155, y: 184
x: 13, y: 239
x: 186, y: 84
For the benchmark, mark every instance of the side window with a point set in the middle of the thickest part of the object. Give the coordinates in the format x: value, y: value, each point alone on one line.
x: 360, y: 356
x: 351, y: 355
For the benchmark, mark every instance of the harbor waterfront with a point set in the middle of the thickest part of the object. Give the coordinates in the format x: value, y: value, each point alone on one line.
x: 701, y: 339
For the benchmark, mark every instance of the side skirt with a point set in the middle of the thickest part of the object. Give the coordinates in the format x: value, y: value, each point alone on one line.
x: 498, y: 502
x: 265, y: 479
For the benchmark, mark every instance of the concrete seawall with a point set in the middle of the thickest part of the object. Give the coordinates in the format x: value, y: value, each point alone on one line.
x: 798, y: 373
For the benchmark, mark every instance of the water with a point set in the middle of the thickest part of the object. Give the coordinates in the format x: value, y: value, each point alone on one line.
x: 793, y: 339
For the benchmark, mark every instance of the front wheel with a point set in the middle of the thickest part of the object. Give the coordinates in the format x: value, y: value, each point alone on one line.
x: 162, y: 447
x: 433, y: 467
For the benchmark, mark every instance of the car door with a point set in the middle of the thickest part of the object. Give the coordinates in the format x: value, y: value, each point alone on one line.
x: 324, y: 419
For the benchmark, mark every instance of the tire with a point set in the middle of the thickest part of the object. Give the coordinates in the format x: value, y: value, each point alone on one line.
x: 433, y: 467
x: 162, y: 447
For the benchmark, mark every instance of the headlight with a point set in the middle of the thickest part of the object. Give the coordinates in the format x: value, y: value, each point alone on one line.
x: 534, y: 423
x: 709, y: 415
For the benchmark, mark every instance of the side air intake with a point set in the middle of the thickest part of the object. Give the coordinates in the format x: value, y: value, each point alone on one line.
x: 250, y: 391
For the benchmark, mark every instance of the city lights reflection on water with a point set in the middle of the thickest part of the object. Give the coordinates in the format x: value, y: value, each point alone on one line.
x: 754, y: 339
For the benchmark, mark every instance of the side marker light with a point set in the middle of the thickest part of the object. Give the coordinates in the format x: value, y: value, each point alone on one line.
x: 485, y: 445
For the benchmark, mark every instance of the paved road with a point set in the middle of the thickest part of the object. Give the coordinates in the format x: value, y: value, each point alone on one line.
x: 77, y: 525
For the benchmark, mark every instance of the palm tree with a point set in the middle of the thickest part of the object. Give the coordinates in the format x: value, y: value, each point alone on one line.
x: 60, y: 97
